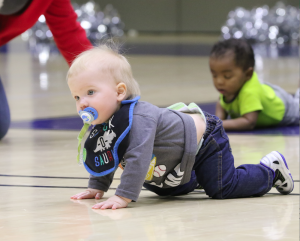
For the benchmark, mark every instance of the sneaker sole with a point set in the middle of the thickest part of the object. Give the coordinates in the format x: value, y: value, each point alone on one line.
x: 286, y: 171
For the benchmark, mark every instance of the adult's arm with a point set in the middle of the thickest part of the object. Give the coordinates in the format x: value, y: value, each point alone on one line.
x: 69, y: 36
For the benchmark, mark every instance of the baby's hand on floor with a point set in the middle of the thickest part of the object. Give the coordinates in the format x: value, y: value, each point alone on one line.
x: 113, y: 202
x: 89, y: 193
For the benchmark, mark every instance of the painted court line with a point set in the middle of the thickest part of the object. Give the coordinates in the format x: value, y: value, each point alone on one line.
x: 6, y: 175
x: 85, y: 178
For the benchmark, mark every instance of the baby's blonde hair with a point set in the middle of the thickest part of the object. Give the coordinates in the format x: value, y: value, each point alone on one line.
x: 118, y: 66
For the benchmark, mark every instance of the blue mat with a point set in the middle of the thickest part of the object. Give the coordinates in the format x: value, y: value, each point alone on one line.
x: 75, y: 123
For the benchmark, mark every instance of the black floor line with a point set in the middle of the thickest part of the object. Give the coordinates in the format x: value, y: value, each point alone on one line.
x: 11, y: 185
x: 5, y: 175
x: 112, y: 188
x: 85, y: 178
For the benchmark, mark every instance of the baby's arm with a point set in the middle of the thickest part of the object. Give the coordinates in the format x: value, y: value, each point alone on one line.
x: 138, y: 157
x: 96, y: 187
x: 220, y: 112
x: 245, y: 122
x: 89, y: 193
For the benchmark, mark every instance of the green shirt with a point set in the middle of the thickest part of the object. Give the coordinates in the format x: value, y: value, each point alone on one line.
x: 254, y: 96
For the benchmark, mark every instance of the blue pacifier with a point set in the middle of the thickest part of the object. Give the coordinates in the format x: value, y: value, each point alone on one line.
x: 88, y: 115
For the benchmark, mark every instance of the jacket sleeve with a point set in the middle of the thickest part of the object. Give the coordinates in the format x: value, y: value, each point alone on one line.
x: 101, y: 183
x: 138, y: 156
x: 69, y: 36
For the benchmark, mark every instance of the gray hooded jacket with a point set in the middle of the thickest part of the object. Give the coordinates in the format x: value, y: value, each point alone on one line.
x: 161, y: 151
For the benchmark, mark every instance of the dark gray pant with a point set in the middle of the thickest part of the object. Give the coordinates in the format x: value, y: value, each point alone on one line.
x: 4, y: 112
x: 291, y: 103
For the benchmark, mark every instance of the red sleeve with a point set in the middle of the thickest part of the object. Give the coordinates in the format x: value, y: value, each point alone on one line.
x: 13, y: 25
x: 69, y: 36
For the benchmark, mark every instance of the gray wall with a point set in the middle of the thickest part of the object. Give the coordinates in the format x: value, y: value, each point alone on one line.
x: 179, y: 15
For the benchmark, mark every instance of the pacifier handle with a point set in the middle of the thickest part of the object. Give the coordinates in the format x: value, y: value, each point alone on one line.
x: 88, y: 115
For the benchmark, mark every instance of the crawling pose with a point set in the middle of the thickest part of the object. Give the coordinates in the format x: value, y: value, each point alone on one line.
x: 169, y: 151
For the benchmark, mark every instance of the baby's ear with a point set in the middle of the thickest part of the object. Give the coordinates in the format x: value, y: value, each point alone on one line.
x: 249, y: 73
x: 121, y: 91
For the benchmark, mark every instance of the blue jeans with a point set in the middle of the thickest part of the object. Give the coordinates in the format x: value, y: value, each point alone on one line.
x: 4, y: 112
x: 214, y: 169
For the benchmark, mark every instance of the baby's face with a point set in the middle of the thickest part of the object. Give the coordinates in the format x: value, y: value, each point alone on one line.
x: 92, y: 88
x: 227, y: 77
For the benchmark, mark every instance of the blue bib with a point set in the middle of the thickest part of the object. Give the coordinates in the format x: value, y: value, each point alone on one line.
x: 106, y: 144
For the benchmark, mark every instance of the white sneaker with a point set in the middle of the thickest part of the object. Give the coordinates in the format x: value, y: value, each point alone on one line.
x: 283, y: 180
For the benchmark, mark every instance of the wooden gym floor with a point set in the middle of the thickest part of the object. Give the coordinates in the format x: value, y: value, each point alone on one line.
x: 38, y: 169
